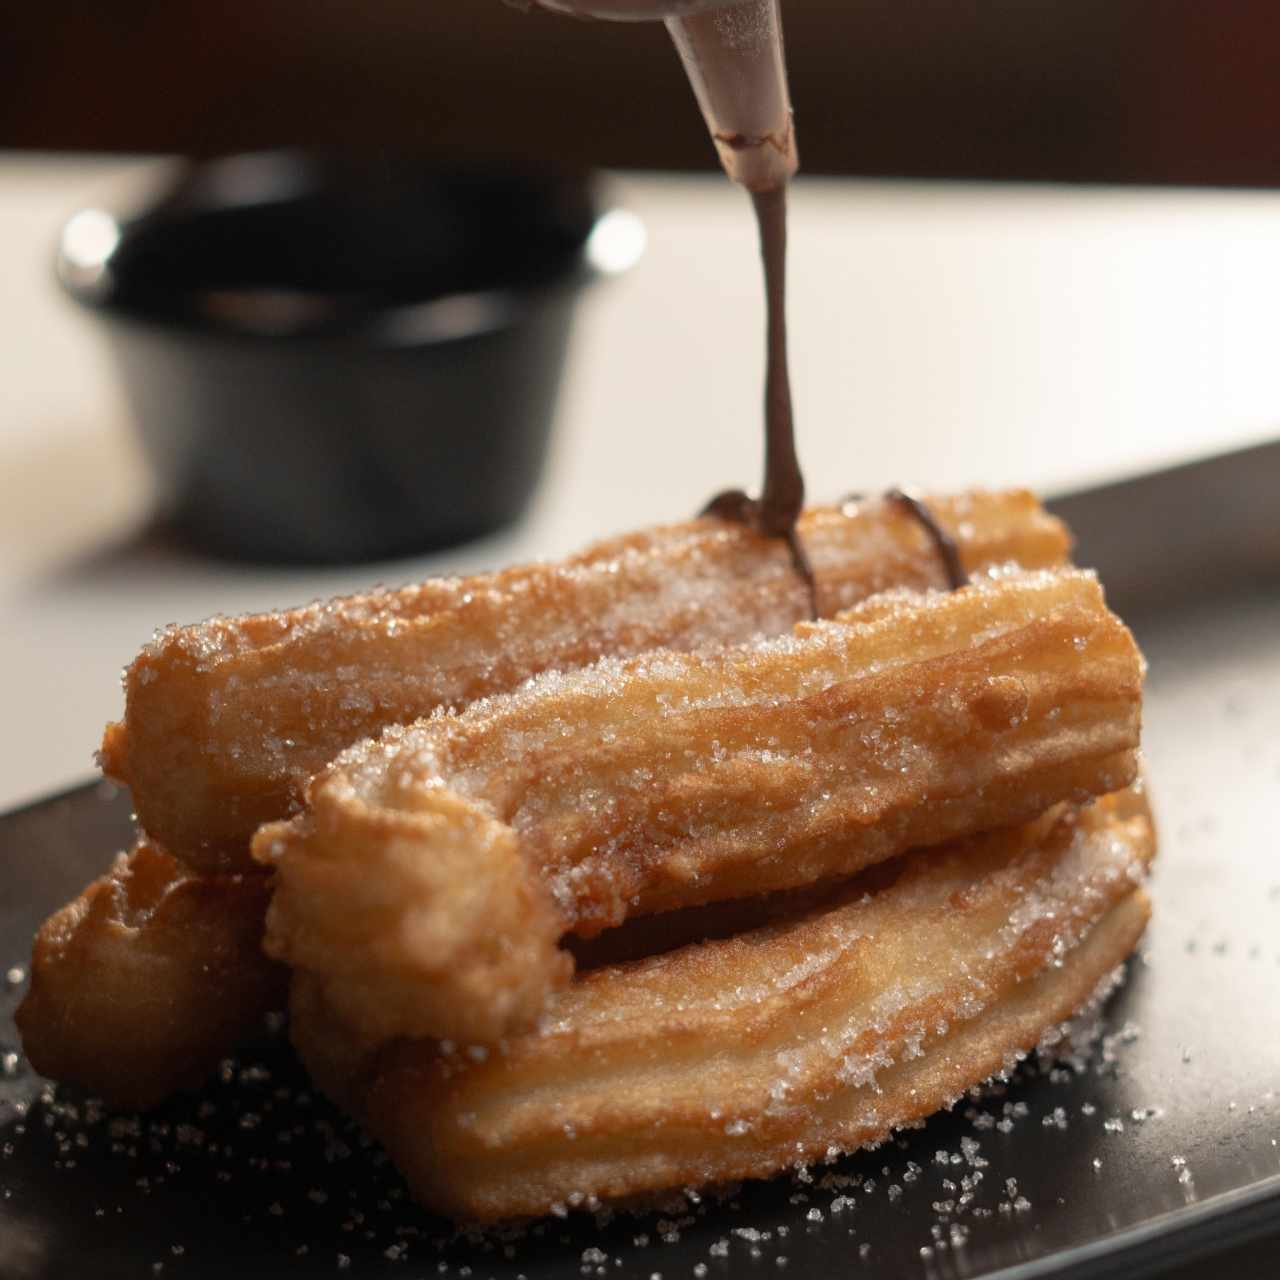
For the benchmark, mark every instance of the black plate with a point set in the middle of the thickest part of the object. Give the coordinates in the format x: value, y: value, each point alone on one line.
x: 1162, y: 1144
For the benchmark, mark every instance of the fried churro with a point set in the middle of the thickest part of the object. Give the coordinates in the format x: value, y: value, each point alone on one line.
x: 816, y: 877
x: 142, y: 983
x: 230, y: 681
x: 430, y: 879
x: 783, y: 1045
x: 226, y: 721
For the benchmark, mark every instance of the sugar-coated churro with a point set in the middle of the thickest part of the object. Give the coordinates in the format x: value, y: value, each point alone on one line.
x: 225, y: 721
x: 237, y: 674
x: 435, y: 870
x: 816, y: 877
x: 783, y: 1045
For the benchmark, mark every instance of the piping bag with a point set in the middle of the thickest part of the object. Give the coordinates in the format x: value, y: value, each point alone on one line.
x: 732, y: 51
x: 733, y: 54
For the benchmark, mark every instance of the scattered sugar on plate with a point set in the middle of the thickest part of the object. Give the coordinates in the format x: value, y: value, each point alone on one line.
x: 259, y: 1123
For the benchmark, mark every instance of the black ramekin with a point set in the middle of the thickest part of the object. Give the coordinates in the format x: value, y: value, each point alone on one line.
x: 336, y: 360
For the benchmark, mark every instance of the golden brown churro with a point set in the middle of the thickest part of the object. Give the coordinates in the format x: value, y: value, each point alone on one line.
x: 436, y: 868
x: 225, y: 721
x: 818, y: 878
x: 148, y: 978
x: 242, y: 682
x: 783, y: 1045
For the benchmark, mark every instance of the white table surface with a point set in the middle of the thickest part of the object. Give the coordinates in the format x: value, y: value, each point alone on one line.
x: 944, y: 335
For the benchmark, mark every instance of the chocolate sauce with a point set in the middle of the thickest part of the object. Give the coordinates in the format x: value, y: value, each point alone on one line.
x: 781, y: 499
x: 948, y: 551
x: 778, y: 507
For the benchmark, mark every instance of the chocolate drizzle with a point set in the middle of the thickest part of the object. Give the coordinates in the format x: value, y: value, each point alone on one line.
x: 777, y: 509
x: 781, y: 500
x: 948, y: 551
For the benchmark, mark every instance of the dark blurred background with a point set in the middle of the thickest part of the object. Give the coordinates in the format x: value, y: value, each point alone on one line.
x: 1078, y: 90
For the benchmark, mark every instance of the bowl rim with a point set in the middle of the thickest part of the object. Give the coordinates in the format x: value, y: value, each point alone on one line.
x: 90, y: 236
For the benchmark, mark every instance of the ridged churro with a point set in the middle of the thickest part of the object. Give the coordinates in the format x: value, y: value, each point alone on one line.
x: 226, y: 721
x: 142, y: 983
x: 780, y: 1046
x: 430, y: 879
x: 816, y: 877
x: 234, y: 679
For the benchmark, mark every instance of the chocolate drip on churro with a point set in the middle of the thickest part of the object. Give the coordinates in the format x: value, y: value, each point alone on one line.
x: 948, y: 552
x: 945, y: 544
x: 778, y: 507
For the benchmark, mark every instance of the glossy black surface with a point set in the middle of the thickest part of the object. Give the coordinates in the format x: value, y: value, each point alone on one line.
x: 1162, y: 1144
x: 339, y: 360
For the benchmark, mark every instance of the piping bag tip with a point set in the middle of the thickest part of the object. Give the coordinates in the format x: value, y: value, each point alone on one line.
x: 736, y: 64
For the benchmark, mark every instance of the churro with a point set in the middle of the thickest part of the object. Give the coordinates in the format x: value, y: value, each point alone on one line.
x: 226, y: 721
x: 430, y: 880
x: 142, y: 983
x: 783, y: 1045
x: 224, y: 693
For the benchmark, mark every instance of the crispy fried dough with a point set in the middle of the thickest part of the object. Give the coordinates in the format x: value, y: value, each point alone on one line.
x: 148, y: 978
x: 737, y: 1058
x: 435, y: 870
x: 225, y: 721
